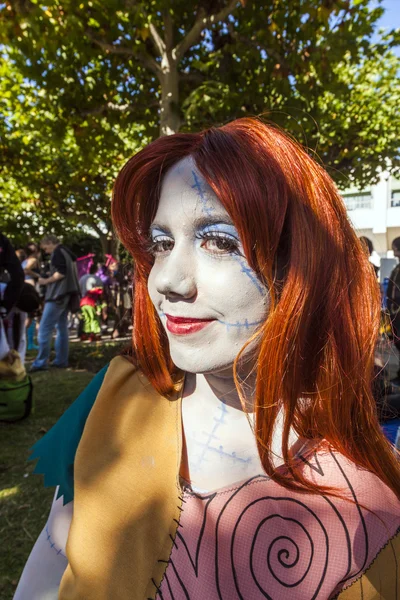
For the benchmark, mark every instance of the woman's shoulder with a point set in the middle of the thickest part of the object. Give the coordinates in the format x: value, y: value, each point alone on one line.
x: 55, y: 452
x: 363, y: 521
x: 354, y: 487
x: 30, y: 263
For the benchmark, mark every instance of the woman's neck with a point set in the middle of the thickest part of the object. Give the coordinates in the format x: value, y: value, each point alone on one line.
x: 205, y: 398
x: 219, y: 445
x: 221, y: 387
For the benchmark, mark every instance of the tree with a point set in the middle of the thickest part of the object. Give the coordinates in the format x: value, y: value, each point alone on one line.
x: 49, y: 182
x: 106, y: 81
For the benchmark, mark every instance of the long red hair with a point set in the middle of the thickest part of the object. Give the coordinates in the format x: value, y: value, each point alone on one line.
x: 316, y: 347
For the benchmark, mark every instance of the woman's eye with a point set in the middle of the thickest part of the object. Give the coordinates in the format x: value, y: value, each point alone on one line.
x: 220, y: 244
x: 161, y: 245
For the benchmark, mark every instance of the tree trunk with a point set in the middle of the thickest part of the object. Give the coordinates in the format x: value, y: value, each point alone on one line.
x: 113, y: 245
x: 170, y: 120
x: 109, y: 243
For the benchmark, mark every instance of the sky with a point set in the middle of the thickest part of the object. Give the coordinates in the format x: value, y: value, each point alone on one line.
x: 391, y: 17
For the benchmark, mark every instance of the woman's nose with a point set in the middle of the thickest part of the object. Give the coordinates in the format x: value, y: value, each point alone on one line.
x: 176, y: 275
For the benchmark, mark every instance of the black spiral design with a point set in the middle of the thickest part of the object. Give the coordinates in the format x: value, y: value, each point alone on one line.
x: 283, y: 553
x: 267, y: 545
x: 282, y: 550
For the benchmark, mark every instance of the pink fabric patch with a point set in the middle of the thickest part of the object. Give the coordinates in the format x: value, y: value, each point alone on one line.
x: 259, y: 540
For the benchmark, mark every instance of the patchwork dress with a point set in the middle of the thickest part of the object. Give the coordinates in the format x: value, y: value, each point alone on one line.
x: 139, y: 532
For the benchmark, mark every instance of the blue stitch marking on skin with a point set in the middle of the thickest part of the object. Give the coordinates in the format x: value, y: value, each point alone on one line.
x: 206, y: 446
x: 220, y: 451
x: 212, y: 436
x: 202, y: 194
x: 208, y: 210
x: 238, y: 324
x: 224, y: 412
x: 250, y: 274
x: 52, y: 544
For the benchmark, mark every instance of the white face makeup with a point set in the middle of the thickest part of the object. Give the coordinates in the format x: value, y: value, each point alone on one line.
x: 209, y: 300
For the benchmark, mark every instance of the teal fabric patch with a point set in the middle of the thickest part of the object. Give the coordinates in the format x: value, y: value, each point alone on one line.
x: 56, y: 450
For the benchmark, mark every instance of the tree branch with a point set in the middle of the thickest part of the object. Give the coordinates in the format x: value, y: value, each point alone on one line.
x: 147, y: 60
x: 155, y: 36
x: 192, y: 77
x: 157, y: 39
x: 340, y: 20
x: 110, y: 106
x: 99, y: 110
x: 201, y: 23
x: 169, y: 30
x: 112, y: 48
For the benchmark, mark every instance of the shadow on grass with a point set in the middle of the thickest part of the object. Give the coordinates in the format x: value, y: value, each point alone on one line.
x: 24, y: 502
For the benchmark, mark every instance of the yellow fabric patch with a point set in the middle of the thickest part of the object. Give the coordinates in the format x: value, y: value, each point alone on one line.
x: 127, y: 492
x: 381, y: 581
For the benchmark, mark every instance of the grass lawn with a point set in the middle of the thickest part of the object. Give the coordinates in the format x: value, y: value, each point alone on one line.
x: 24, y: 502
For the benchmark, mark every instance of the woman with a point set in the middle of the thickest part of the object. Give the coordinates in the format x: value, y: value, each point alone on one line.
x: 31, y: 266
x: 237, y: 452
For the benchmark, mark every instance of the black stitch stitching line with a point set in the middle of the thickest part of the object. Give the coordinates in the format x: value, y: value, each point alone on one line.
x: 155, y: 585
x: 180, y: 497
x: 178, y: 523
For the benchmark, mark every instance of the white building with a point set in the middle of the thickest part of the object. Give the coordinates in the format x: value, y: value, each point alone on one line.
x: 375, y: 212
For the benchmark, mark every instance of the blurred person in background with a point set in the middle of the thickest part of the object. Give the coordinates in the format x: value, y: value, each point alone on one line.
x: 121, y: 296
x: 90, y: 280
x: 393, y: 303
x: 60, y: 287
x: 12, y: 273
x: 11, y: 284
x: 21, y: 254
x: 104, y: 274
x: 91, y: 288
x: 373, y: 256
x: 31, y: 266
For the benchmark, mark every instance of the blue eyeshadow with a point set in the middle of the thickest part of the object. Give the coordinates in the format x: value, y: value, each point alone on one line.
x: 154, y: 231
x: 222, y: 227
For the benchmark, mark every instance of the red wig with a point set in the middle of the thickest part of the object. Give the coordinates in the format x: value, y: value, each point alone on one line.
x: 316, y: 347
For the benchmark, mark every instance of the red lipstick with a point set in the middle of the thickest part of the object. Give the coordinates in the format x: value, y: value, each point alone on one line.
x: 183, y: 325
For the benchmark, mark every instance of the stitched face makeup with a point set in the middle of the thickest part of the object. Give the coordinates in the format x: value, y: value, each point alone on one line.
x: 209, y: 300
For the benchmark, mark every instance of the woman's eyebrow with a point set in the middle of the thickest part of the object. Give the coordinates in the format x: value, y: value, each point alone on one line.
x: 214, y: 220
x: 199, y: 223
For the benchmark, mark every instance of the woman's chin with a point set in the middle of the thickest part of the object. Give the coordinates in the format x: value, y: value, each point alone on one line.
x: 201, y: 364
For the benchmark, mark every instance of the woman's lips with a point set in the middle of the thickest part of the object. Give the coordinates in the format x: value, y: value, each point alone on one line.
x: 183, y: 325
